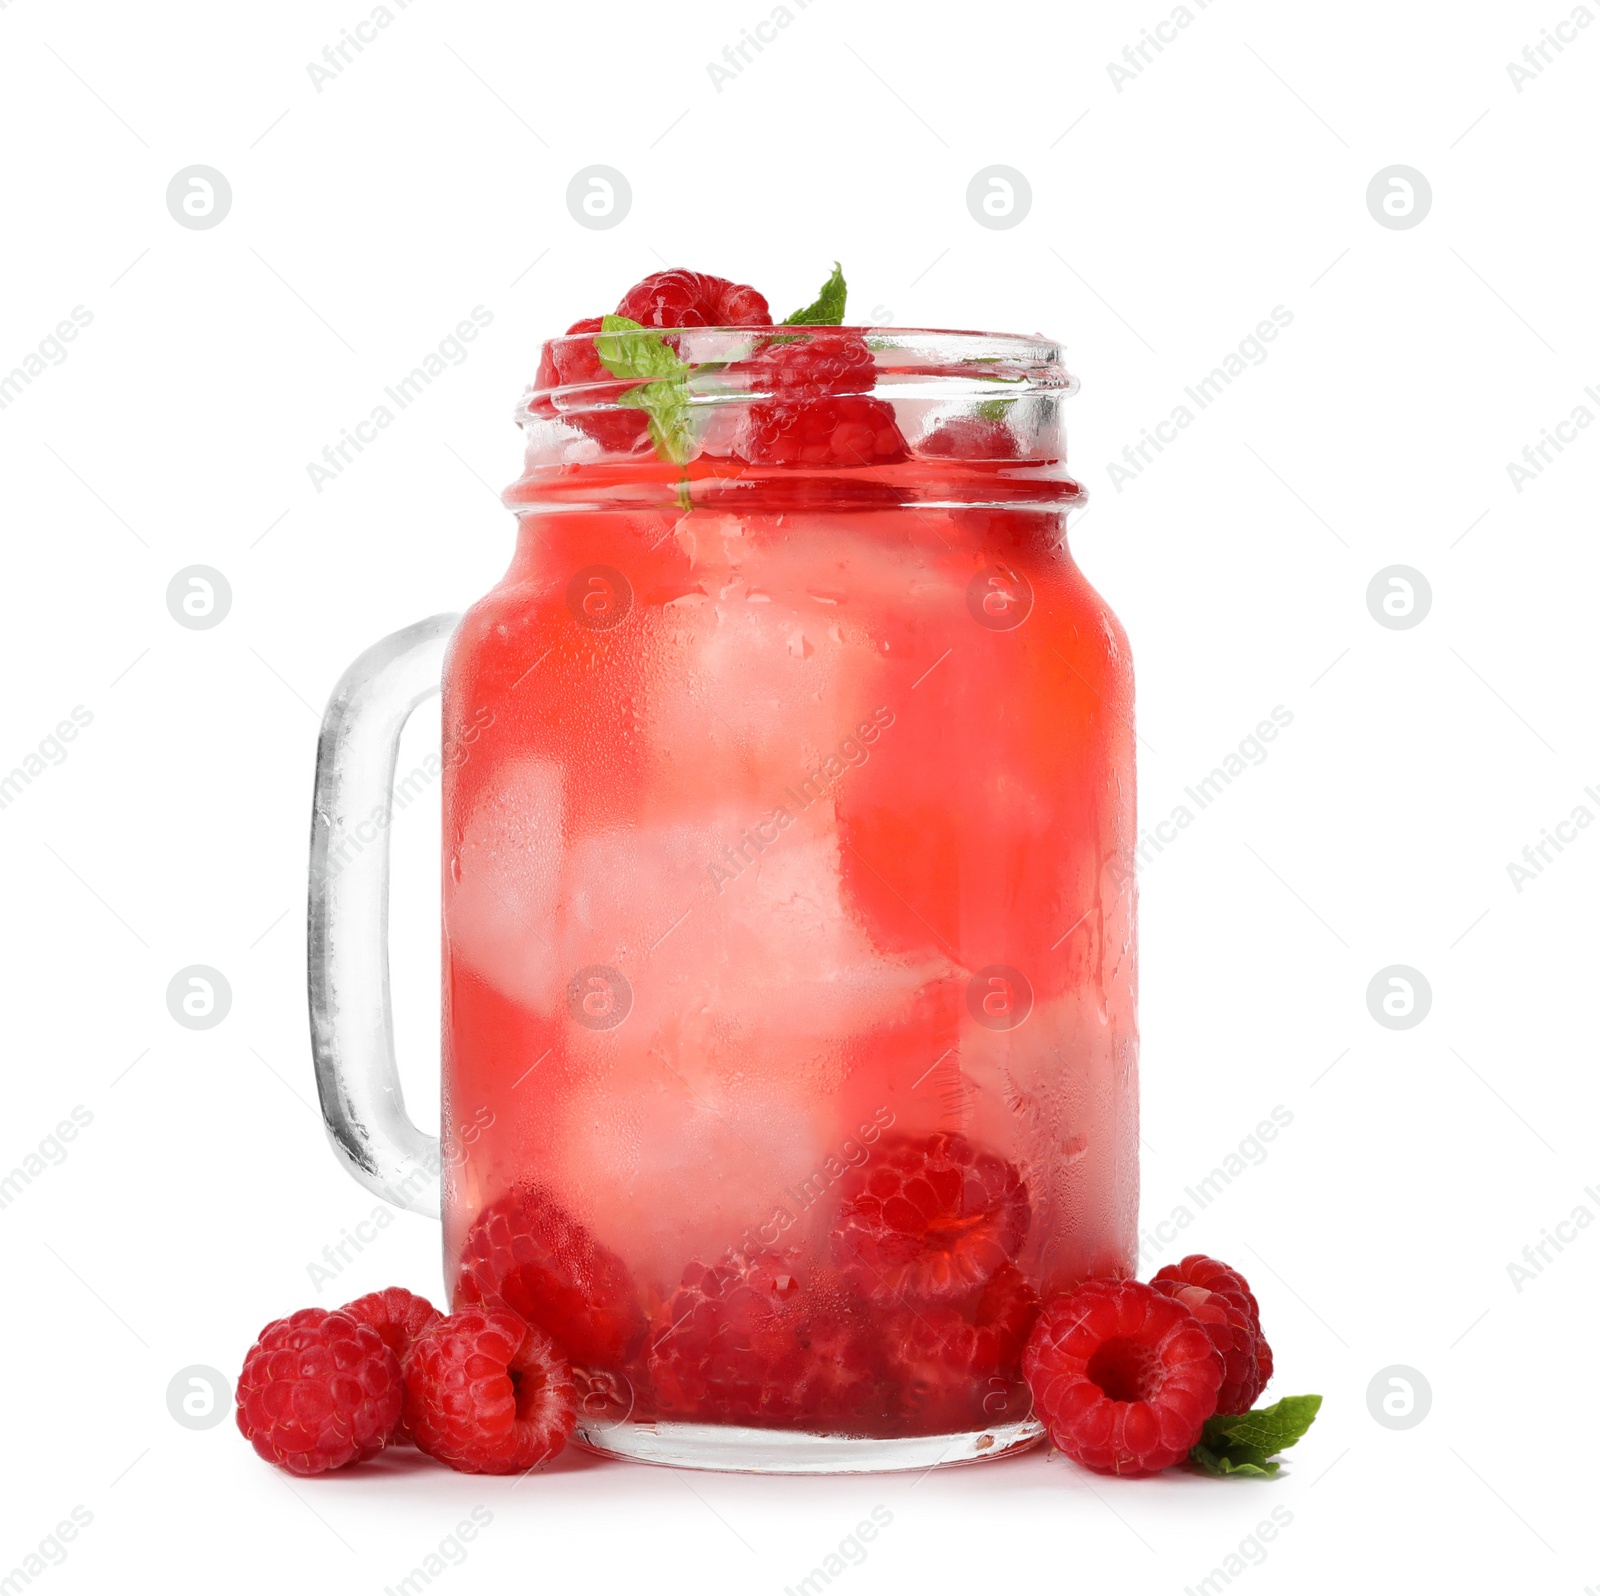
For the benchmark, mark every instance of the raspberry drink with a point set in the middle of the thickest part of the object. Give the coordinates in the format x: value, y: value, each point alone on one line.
x: 789, y: 963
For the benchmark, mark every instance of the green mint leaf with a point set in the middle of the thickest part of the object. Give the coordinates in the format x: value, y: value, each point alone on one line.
x: 628, y: 350
x: 1244, y: 1443
x: 1274, y: 1429
x: 993, y: 409
x: 827, y: 309
x: 665, y: 403
x: 1221, y: 1464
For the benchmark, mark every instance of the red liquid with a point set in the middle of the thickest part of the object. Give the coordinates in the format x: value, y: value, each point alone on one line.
x: 734, y: 846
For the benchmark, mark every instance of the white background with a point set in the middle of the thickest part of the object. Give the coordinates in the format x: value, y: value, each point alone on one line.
x: 1168, y: 217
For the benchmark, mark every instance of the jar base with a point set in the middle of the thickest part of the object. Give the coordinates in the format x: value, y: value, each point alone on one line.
x: 735, y: 1449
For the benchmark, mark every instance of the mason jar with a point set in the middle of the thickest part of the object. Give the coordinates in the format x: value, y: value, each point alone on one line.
x: 789, y: 1036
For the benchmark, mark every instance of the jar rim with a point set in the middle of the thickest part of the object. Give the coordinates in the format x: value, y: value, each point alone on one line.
x: 928, y: 402
x: 715, y: 345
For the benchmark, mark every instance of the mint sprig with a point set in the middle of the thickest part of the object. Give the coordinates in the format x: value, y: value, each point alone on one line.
x: 1245, y: 1443
x: 827, y: 309
x: 629, y: 350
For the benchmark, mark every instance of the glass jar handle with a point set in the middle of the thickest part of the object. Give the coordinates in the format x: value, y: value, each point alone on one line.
x: 352, y: 1020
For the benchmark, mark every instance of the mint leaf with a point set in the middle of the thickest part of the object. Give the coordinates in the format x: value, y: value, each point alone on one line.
x: 827, y: 309
x: 628, y: 350
x: 1274, y: 1429
x: 666, y: 407
x: 1222, y: 1464
x: 1244, y: 1443
x: 993, y: 409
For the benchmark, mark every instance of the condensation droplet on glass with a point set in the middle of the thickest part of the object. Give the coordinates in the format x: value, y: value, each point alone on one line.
x: 800, y: 646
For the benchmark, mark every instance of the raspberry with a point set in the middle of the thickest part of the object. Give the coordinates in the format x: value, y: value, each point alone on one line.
x: 843, y: 1385
x: 399, y: 1317
x: 563, y: 364
x: 971, y: 438
x: 1219, y: 1279
x: 1007, y: 1311
x: 574, y: 362
x: 1223, y: 1318
x: 1123, y: 1377
x: 817, y: 409
x: 487, y: 1393
x: 747, y: 1339
x: 318, y: 1390
x: 955, y: 1368
x: 1199, y: 1270
x: 806, y: 365
x: 527, y: 1253
x: 929, y: 1219
x: 834, y: 430
x: 679, y: 298
x: 1263, y: 1363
